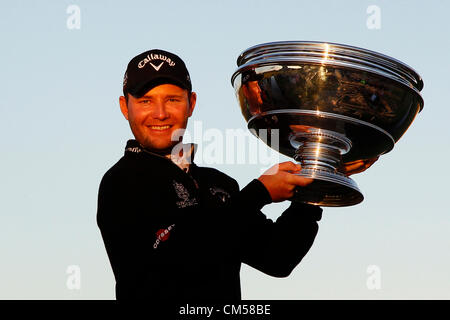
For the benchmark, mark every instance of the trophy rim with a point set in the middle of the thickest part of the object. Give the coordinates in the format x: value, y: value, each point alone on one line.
x: 331, y: 54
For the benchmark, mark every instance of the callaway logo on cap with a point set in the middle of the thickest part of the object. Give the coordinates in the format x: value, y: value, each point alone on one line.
x: 152, y: 68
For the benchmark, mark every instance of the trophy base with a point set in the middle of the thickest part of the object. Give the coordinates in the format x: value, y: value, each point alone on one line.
x: 328, y: 189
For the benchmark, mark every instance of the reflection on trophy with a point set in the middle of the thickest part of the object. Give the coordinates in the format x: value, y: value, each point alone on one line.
x: 332, y: 105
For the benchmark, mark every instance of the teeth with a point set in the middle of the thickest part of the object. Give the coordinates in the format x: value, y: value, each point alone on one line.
x: 159, y: 127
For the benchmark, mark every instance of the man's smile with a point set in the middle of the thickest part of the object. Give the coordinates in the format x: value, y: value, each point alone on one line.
x: 159, y: 127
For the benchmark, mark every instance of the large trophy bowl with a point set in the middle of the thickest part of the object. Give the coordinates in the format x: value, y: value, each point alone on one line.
x: 330, y: 105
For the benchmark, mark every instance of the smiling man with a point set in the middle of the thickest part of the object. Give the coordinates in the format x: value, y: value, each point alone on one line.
x: 174, y: 230
x: 158, y: 115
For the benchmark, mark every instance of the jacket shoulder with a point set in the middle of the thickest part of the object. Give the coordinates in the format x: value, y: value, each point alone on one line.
x: 121, y: 172
x: 216, y: 176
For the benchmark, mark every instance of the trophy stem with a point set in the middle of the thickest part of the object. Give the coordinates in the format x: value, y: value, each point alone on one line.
x: 320, y: 155
x: 320, y: 149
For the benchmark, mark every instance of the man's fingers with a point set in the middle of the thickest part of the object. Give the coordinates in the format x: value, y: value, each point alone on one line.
x: 288, y: 166
x: 354, y: 166
x: 300, y: 180
x: 359, y: 165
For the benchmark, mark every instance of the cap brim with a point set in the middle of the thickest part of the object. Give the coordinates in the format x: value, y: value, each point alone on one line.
x: 150, y: 84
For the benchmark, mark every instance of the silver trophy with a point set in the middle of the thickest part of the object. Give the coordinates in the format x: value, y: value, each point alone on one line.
x: 332, y: 104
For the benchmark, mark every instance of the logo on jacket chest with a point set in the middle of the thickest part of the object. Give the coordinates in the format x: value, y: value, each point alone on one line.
x: 219, y: 193
x: 185, y: 199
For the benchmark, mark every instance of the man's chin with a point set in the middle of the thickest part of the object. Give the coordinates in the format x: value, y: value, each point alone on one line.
x: 162, y: 148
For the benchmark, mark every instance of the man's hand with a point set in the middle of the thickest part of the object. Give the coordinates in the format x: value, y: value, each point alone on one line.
x: 357, y: 166
x: 280, y: 180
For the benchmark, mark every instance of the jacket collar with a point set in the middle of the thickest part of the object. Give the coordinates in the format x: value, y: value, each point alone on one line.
x: 183, y: 158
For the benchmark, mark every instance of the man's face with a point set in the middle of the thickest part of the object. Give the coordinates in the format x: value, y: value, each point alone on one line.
x: 157, y: 117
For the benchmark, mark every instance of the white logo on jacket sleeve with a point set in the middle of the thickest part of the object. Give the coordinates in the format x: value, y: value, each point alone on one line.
x: 162, y: 235
x: 183, y: 194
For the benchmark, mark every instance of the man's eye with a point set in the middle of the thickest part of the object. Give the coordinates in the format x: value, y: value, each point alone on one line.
x: 174, y: 100
x: 144, y: 101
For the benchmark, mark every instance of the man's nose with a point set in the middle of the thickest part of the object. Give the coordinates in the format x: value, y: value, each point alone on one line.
x: 159, y: 111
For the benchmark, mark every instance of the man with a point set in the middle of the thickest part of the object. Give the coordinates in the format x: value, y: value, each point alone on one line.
x: 174, y: 230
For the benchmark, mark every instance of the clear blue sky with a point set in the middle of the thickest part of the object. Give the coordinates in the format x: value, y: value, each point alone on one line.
x: 61, y: 129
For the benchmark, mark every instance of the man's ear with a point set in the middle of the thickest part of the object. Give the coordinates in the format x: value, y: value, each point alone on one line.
x: 192, y: 101
x: 123, y: 106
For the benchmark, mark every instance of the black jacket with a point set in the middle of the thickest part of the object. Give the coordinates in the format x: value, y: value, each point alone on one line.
x: 176, y: 235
